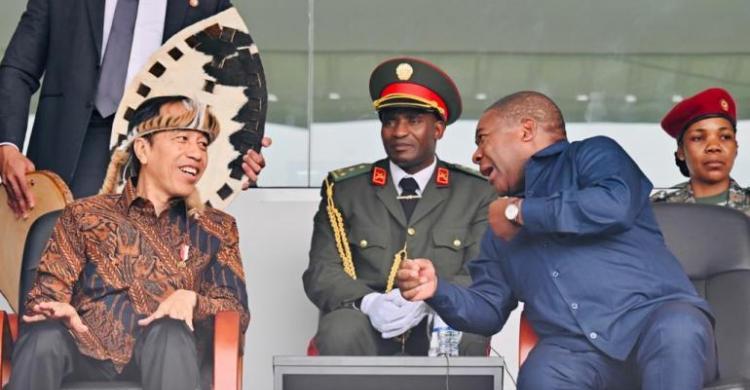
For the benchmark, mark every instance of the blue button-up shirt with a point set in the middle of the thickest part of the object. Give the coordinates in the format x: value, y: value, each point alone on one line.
x: 590, y: 263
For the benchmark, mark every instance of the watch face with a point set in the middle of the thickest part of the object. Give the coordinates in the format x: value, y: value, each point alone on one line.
x: 511, y: 212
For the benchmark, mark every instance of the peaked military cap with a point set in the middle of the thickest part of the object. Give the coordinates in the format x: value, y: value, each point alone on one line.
x: 713, y: 102
x: 413, y: 82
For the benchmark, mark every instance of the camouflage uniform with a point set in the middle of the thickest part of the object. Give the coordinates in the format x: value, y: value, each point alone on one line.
x: 739, y: 198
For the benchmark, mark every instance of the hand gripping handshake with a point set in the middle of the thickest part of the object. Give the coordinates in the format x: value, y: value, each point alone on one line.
x: 391, y: 314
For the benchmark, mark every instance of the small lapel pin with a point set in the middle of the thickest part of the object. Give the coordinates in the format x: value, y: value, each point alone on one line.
x: 184, y: 252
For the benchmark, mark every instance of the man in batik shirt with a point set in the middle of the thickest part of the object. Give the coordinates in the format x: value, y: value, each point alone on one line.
x: 126, y: 278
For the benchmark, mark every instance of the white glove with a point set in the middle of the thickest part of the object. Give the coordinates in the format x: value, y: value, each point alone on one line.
x: 391, y: 314
x: 377, y: 307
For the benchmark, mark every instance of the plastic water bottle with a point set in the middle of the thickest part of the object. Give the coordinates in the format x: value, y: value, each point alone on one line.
x: 444, y: 341
x: 433, y: 351
x: 454, y: 339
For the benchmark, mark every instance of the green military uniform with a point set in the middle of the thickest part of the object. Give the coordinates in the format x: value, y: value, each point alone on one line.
x: 736, y: 197
x: 446, y: 227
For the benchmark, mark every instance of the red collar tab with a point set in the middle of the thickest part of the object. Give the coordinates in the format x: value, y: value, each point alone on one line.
x: 443, y: 177
x: 379, y: 176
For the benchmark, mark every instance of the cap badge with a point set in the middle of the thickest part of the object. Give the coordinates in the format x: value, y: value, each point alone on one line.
x: 404, y: 71
x: 724, y: 105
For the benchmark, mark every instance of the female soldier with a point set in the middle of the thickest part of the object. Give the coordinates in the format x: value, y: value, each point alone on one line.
x: 705, y: 126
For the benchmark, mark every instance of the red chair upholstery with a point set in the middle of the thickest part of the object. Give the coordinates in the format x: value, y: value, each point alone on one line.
x: 527, y: 339
x: 312, y: 348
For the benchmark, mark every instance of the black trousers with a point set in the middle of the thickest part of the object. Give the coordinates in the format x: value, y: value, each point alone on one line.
x: 94, y: 157
x: 164, y: 358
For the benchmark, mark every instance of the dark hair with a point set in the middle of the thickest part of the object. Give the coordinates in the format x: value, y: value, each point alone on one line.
x: 681, y: 164
x: 531, y: 104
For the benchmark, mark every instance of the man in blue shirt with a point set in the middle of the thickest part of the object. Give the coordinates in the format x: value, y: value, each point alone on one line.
x: 577, y: 242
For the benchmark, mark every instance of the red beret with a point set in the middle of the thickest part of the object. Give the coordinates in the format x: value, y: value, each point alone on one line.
x: 712, y: 102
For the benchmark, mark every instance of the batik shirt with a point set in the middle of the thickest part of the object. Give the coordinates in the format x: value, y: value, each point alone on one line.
x: 738, y: 198
x: 115, y: 261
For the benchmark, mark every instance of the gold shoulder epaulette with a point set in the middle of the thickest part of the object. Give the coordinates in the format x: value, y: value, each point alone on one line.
x: 349, y: 172
x: 466, y: 170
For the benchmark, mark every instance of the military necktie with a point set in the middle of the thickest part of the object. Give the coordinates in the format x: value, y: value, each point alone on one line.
x: 409, y: 197
x: 116, y: 58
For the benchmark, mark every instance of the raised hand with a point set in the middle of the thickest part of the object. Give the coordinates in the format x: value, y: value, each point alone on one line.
x: 252, y: 163
x: 499, y: 223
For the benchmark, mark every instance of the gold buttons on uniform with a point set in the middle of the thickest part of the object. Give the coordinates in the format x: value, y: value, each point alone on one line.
x: 410, y: 231
x: 456, y: 243
x: 363, y: 243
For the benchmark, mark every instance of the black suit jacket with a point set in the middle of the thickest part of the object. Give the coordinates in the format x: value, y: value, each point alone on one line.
x: 61, y: 40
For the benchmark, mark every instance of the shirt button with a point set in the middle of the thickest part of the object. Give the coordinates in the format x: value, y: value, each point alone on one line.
x: 530, y: 193
x: 593, y: 335
x: 555, y: 274
x: 574, y: 306
x: 456, y: 243
x: 410, y: 231
x: 363, y: 243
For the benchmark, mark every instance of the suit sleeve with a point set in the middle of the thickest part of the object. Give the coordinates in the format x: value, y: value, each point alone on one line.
x: 610, y: 194
x: 21, y: 69
x: 222, y: 5
x: 61, y: 263
x: 222, y: 287
x: 325, y: 282
x: 484, y: 307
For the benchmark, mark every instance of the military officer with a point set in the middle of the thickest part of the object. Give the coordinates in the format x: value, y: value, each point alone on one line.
x: 411, y: 204
x: 705, y: 126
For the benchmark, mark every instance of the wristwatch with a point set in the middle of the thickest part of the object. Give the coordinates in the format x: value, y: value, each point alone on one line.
x: 513, y: 211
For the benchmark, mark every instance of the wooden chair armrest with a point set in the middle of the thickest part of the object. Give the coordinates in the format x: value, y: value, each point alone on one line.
x: 6, y: 347
x: 227, y: 359
x: 13, y: 321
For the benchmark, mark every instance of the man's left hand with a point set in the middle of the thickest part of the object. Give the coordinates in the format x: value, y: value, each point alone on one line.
x: 178, y: 306
x: 252, y: 163
x: 406, y: 315
x: 500, y: 225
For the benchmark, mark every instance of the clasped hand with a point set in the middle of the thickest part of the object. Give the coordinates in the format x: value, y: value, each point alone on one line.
x: 391, y: 314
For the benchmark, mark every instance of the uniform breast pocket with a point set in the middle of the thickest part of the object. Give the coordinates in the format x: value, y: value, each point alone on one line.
x: 368, y: 247
x: 450, y: 248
